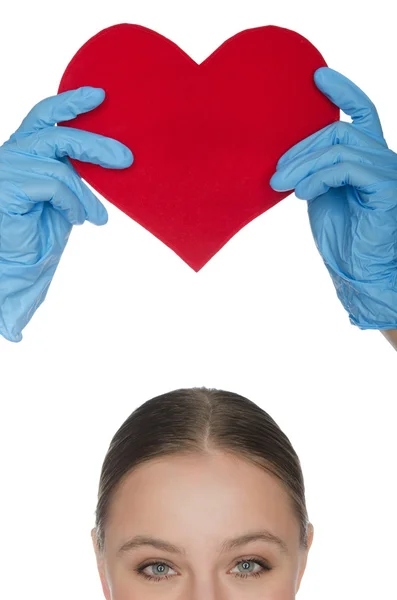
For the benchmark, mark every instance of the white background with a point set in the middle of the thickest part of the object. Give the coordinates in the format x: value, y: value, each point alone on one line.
x: 126, y: 319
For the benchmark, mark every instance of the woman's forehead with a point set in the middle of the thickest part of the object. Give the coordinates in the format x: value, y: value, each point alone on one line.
x: 200, y: 494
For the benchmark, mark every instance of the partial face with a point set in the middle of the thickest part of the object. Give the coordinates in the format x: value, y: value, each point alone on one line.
x: 193, y: 507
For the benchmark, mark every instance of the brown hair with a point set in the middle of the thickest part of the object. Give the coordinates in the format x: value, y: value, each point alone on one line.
x: 196, y: 420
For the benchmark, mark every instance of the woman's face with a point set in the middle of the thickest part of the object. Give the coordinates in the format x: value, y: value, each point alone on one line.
x: 194, y: 507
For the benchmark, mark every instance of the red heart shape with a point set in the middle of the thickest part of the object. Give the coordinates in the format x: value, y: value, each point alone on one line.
x: 206, y: 137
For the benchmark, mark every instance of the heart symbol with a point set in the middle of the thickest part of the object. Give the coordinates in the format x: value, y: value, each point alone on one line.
x: 206, y: 137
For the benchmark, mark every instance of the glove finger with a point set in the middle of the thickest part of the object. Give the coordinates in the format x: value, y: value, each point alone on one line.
x: 95, y: 210
x: 367, y: 179
x: 57, y: 142
x: 345, y: 94
x: 288, y: 176
x: 339, y: 132
x: 38, y: 170
x: 59, y: 195
x: 96, y: 213
x: 62, y: 107
x: 73, y: 200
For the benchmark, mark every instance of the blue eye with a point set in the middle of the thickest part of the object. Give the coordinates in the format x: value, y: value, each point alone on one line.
x: 247, y: 571
x: 162, y: 566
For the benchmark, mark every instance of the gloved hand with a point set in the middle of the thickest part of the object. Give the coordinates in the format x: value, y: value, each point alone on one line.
x: 42, y: 197
x: 349, y: 177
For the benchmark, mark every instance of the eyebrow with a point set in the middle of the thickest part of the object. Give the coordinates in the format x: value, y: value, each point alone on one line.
x: 230, y: 544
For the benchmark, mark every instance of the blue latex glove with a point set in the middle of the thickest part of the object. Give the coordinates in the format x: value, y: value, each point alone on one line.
x: 42, y: 197
x: 349, y: 178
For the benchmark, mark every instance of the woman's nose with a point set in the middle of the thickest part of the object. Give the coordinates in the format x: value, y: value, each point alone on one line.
x: 207, y: 588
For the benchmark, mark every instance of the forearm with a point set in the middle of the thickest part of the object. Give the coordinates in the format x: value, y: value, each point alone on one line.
x: 391, y: 336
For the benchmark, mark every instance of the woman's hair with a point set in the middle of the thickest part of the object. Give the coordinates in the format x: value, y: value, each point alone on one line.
x: 198, y: 421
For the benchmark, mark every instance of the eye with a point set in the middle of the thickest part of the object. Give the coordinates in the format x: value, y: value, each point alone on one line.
x: 249, y: 569
x: 159, y: 572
